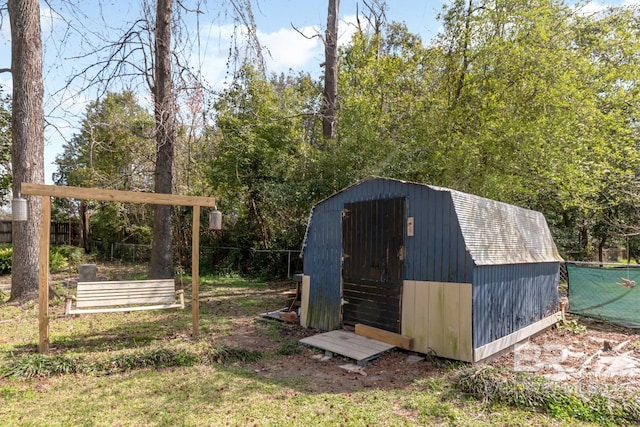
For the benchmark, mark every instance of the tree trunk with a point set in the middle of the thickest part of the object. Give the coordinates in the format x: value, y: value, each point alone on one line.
x: 331, y: 71
x: 465, y: 52
x: 601, y: 249
x: 27, y: 152
x: 161, y: 265
x: 84, y: 226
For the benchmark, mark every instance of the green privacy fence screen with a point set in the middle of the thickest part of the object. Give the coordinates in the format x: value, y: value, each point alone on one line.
x: 608, y: 292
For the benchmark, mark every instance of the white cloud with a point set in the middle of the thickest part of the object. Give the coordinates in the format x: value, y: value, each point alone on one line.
x: 591, y: 8
x: 286, y: 48
x: 347, y: 27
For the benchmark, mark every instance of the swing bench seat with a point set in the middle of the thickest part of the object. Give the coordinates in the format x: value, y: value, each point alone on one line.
x: 123, y: 296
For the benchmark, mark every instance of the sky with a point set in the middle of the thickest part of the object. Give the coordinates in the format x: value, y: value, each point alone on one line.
x: 286, y: 49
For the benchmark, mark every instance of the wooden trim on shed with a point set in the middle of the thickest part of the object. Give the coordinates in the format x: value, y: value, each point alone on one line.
x: 304, y: 300
x: 438, y: 316
x: 500, y: 344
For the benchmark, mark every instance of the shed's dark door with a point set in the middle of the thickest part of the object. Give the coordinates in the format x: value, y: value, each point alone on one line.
x: 372, y: 244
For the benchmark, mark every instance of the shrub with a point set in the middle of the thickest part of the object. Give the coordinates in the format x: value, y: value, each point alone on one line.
x: 535, y: 392
x: 57, y: 261
x: 5, y: 259
x: 60, y: 257
x: 40, y: 365
x: 226, y: 354
x: 147, y: 358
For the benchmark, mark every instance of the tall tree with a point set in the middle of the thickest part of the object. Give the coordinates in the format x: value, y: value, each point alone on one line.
x: 28, y: 140
x: 330, y: 71
x: 164, y: 104
x: 114, y: 149
x: 259, y: 160
x: 5, y: 146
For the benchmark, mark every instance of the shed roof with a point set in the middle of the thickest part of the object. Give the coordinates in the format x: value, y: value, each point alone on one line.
x: 499, y: 233
x: 494, y: 233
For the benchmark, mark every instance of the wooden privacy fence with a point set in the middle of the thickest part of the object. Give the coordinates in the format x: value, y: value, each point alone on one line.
x: 62, y: 233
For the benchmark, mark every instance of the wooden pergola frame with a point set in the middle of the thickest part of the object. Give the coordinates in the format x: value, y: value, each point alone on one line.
x: 49, y: 191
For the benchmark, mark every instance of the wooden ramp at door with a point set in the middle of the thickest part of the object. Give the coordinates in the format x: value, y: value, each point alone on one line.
x: 349, y: 345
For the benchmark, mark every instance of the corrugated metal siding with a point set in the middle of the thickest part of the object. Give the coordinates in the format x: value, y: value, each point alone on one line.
x: 323, y: 248
x: 437, y: 251
x: 322, y: 264
x: 507, y: 298
x: 498, y: 233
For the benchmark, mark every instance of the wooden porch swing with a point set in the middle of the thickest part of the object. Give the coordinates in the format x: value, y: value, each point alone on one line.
x: 49, y: 191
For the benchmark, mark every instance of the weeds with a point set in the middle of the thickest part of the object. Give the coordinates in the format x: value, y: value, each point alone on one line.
x: 535, y: 392
x: 151, y: 358
x: 226, y: 354
x: 39, y: 365
x: 288, y: 347
x: 572, y: 326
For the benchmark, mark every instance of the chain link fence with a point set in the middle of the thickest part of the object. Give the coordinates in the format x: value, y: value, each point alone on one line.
x: 274, y: 263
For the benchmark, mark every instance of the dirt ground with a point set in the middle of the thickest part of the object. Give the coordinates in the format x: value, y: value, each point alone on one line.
x: 602, y: 354
x: 583, y: 352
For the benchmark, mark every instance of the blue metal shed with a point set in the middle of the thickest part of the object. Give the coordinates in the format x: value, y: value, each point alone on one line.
x: 463, y: 276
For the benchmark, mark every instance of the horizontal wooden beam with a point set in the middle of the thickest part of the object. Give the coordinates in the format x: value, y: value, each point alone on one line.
x: 114, y: 195
x: 384, y: 336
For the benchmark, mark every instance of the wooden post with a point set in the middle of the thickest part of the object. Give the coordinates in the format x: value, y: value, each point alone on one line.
x: 195, y: 271
x: 43, y: 276
x: 49, y: 191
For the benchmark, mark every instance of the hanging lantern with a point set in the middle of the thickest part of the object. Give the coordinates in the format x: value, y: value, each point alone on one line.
x: 19, y: 209
x: 215, y: 219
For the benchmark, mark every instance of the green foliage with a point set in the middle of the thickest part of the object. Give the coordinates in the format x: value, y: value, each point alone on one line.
x: 145, y: 358
x: 526, y: 102
x: 6, y: 251
x: 225, y: 354
x: 5, y: 145
x: 57, y: 261
x: 115, y: 149
x: 257, y: 163
x: 73, y: 254
x: 536, y: 392
x: 277, y: 331
x: 288, y: 347
x: 572, y: 326
x: 40, y: 365
x: 60, y: 258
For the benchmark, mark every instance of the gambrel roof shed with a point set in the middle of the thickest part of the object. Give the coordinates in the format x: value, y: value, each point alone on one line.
x: 462, y: 275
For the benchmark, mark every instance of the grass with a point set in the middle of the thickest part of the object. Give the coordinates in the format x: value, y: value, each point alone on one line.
x: 143, y: 369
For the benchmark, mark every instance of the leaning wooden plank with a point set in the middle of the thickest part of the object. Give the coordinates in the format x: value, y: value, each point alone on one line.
x: 384, y: 336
